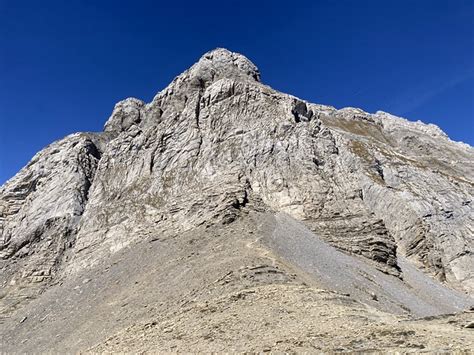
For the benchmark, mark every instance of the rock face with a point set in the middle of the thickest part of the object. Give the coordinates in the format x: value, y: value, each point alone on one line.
x: 216, y: 142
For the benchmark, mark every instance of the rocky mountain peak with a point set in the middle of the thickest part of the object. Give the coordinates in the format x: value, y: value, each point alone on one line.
x: 222, y: 63
x: 216, y: 146
x: 219, y: 66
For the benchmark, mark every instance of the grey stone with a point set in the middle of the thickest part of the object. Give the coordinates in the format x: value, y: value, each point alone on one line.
x: 218, y: 141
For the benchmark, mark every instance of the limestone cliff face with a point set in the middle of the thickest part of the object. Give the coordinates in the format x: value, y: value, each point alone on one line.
x: 217, y: 140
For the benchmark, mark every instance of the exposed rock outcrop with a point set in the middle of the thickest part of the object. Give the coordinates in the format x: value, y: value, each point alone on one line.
x: 216, y: 142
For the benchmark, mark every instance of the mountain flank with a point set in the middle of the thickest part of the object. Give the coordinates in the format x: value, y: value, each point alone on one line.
x: 227, y: 216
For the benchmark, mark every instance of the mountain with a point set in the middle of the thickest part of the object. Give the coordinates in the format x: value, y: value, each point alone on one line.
x: 225, y: 215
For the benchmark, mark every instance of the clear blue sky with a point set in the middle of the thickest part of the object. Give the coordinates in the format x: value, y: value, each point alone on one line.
x: 64, y: 64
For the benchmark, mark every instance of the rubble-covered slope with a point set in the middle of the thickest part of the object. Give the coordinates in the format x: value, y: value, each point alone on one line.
x: 224, y: 288
x: 394, y: 194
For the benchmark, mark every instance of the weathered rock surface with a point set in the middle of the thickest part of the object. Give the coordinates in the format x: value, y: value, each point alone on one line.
x: 396, y: 195
x: 39, y: 212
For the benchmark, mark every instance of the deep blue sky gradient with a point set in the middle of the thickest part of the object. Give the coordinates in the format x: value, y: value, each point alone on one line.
x: 64, y: 64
